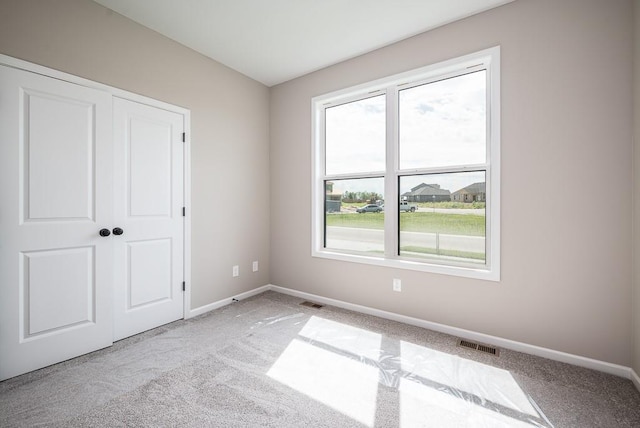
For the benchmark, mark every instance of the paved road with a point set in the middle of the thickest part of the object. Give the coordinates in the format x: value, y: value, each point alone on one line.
x: 358, y: 239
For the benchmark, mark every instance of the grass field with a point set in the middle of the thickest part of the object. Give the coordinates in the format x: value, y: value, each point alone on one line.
x: 453, y: 224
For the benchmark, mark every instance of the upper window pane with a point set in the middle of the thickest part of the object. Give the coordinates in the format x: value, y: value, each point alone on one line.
x: 444, y: 123
x: 355, y: 136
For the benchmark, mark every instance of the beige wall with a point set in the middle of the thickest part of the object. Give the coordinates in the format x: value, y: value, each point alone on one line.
x: 636, y: 172
x: 566, y: 138
x: 229, y: 118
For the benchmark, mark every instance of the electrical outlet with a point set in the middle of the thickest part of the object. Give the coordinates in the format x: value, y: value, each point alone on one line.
x: 236, y: 270
x: 255, y: 266
x: 397, y: 284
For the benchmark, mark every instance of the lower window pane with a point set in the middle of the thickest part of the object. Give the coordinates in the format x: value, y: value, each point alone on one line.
x: 354, y: 215
x: 442, y: 217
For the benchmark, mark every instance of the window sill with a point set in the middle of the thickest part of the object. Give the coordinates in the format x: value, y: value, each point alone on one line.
x: 460, y: 271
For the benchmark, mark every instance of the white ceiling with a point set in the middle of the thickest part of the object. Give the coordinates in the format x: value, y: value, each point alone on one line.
x: 273, y: 41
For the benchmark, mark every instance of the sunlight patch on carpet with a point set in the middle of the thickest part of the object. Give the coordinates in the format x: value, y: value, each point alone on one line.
x: 339, y: 382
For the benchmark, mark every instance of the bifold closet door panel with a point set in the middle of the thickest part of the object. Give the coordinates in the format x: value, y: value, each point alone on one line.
x: 56, y: 193
x: 149, y: 196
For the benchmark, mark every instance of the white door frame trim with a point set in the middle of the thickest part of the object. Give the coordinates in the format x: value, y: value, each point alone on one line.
x: 120, y: 93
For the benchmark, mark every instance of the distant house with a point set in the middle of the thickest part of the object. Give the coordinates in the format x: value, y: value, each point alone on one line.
x: 475, y: 192
x: 427, y: 193
x: 333, y: 201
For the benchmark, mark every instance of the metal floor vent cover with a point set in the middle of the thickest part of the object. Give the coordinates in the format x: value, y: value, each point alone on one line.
x: 479, y: 347
x: 311, y: 305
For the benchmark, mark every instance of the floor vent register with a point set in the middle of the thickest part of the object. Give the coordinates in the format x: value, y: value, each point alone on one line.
x: 311, y: 305
x: 487, y: 349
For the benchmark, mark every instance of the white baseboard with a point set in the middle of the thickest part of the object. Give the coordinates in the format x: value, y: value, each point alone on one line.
x: 220, y: 303
x: 576, y: 360
x: 635, y: 379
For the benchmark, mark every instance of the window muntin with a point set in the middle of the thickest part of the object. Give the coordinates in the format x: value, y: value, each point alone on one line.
x: 479, y: 131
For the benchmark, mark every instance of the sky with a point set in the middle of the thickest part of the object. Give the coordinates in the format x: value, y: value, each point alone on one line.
x: 355, y: 136
x: 442, y: 123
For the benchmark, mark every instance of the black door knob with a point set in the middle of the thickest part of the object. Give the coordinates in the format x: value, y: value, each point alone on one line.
x: 104, y: 232
x: 117, y: 231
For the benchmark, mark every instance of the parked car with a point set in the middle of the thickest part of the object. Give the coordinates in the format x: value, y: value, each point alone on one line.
x: 370, y: 208
x: 407, y: 207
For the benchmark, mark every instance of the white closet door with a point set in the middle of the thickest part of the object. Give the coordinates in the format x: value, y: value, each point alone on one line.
x: 149, y: 254
x: 56, y: 166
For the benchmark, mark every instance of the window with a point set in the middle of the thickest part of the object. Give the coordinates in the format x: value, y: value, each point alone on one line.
x: 406, y: 170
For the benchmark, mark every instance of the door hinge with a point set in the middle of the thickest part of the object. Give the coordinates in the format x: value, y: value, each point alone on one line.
x: 184, y: 137
x: 184, y: 211
x: 184, y: 286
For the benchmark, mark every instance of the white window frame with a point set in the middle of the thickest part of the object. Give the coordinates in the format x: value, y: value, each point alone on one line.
x: 488, y: 60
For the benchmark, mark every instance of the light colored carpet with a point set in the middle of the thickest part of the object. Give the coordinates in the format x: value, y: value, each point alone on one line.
x: 269, y: 362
